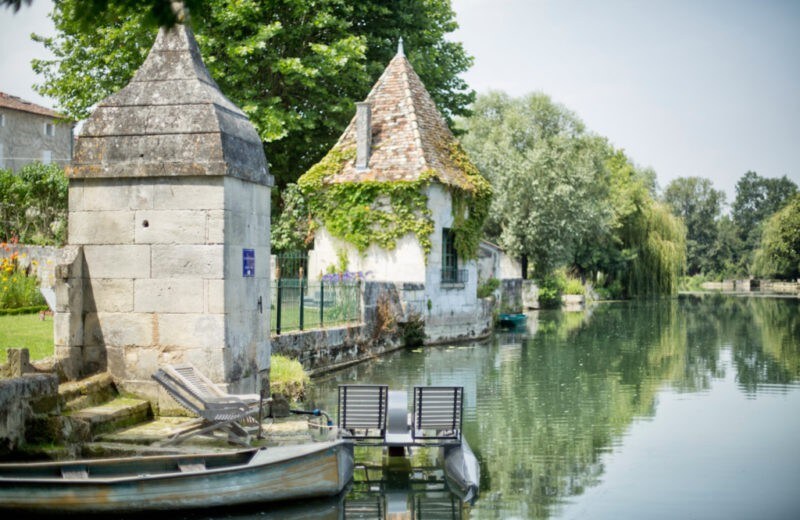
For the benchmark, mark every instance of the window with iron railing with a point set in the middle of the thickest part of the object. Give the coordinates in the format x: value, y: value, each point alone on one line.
x: 449, y: 257
x: 454, y: 276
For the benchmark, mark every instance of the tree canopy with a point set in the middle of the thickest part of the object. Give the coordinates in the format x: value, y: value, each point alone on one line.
x: 758, y: 198
x: 779, y: 253
x: 295, y: 67
x: 695, y: 200
x: 547, y: 175
x: 160, y: 12
x: 564, y: 197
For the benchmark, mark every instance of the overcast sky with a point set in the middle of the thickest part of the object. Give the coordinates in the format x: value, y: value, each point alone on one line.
x: 706, y: 88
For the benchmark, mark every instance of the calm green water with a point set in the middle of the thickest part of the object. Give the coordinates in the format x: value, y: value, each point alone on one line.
x: 688, y: 408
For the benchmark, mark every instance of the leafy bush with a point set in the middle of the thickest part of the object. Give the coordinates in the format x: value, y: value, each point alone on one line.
x: 574, y: 286
x: 413, y: 331
x: 550, y: 290
x: 612, y: 291
x: 33, y: 204
x: 488, y: 287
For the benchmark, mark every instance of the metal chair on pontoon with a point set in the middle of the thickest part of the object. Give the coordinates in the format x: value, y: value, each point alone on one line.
x: 437, y: 415
x: 362, y: 412
x: 218, y: 410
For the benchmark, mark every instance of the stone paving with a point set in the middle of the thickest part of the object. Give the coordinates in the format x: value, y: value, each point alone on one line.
x: 143, y: 439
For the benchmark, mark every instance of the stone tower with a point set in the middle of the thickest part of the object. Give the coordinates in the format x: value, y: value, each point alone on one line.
x: 169, y: 218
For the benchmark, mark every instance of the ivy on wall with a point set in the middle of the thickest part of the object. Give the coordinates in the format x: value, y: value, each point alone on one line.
x: 470, y: 204
x: 367, y: 212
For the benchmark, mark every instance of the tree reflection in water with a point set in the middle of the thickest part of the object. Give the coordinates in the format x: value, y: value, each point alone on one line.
x: 541, y: 410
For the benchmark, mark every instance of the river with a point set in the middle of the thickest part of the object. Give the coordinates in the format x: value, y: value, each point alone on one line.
x: 679, y: 408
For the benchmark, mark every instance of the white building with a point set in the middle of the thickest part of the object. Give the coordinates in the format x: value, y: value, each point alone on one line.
x: 398, y: 136
x: 32, y: 133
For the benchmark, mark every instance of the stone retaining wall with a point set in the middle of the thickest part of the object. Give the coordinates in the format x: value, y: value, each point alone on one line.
x: 323, y: 350
x: 23, y: 401
x: 530, y: 294
x: 511, y: 295
x: 780, y: 287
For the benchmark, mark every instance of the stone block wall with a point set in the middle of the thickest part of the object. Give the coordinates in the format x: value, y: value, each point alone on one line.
x: 511, y: 295
x: 781, y: 287
x: 530, y: 294
x: 22, y: 400
x: 162, y: 281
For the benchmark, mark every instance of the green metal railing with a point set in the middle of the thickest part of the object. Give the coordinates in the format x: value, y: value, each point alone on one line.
x: 300, y: 305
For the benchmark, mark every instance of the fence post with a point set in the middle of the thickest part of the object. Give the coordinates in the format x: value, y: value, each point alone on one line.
x: 321, y: 301
x: 302, y: 298
x: 280, y: 302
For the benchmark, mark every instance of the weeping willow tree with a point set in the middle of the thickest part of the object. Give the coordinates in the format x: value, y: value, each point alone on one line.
x: 646, y: 246
x: 655, y: 242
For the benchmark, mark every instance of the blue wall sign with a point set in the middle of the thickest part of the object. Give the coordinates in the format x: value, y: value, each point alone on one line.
x: 248, y: 263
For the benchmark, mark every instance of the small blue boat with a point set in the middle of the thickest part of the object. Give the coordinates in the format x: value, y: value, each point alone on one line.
x: 512, y: 321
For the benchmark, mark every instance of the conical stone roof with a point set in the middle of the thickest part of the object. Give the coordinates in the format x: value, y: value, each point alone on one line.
x: 409, y: 135
x: 170, y: 120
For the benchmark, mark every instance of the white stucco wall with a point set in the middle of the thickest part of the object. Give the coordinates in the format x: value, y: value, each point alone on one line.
x: 453, y: 309
x: 405, y: 263
x: 493, y: 262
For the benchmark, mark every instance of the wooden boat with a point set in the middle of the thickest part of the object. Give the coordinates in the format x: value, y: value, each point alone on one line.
x: 512, y: 321
x: 178, y: 481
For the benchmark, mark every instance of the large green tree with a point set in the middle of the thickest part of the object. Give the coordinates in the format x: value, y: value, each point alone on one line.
x: 159, y: 11
x: 779, y: 254
x: 644, y: 252
x: 695, y: 200
x: 757, y: 198
x: 547, y: 173
x: 295, y: 67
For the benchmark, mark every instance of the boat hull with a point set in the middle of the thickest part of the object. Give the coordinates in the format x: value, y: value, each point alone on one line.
x: 270, y: 475
x: 462, y: 470
x: 512, y: 321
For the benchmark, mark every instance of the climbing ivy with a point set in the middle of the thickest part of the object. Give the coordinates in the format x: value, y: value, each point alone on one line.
x: 367, y: 212
x: 470, y: 204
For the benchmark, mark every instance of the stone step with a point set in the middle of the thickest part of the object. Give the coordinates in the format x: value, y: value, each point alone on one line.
x: 118, y: 413
x: 91, y: 391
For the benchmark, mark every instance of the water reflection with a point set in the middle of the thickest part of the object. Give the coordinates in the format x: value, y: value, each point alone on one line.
x: 543, y: 410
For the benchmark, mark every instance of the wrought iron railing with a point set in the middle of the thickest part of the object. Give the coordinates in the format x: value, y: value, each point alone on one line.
x: 291, y: 265
x: 454, y: 276
x: 300, y: 305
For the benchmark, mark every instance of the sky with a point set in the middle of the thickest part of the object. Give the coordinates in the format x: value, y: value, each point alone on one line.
x: 707, y: 88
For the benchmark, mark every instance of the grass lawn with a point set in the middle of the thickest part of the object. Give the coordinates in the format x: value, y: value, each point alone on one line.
x: 290, y: 317
x: 26, y: 330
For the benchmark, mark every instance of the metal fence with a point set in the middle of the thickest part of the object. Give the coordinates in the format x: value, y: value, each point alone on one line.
x: 291, y: 265
x: 454, y: 276
x: 299, y: 305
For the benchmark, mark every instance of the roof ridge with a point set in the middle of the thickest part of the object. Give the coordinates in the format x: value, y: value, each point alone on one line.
x: 13, y: 102
x: 410, y: 136
x: 412, y: 108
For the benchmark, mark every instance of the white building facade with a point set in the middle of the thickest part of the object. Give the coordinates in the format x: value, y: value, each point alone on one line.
x: 398, y: 135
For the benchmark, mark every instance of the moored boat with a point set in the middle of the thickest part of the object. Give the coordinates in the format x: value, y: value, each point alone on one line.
x: 512, y: 321
x: 462, y: 470
x: 167, y: 482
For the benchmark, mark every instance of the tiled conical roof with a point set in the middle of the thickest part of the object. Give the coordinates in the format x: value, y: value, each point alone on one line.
x: 170, y: 120
x: 409, y: 135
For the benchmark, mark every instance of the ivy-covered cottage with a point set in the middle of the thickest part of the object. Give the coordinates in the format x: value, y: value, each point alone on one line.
x: 399, y: 199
